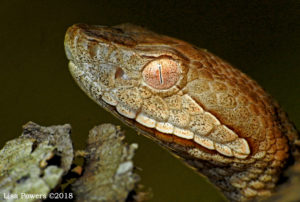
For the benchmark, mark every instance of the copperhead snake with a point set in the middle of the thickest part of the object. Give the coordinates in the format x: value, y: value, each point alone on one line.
x: 208, y: 113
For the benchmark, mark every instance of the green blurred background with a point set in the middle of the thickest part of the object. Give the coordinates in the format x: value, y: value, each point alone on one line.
x: 259, y: 37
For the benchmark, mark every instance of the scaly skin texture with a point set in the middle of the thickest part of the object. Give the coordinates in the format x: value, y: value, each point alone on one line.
x: 214, y: 117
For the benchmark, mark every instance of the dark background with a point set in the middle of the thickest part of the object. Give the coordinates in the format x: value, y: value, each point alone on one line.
x: 259, y: 37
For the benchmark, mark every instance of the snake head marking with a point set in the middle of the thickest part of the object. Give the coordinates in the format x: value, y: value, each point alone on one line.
x: 190, y: 101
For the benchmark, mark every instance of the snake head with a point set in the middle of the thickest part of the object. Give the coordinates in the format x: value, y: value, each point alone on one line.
x: 216, y: 118
x: 124, y: 56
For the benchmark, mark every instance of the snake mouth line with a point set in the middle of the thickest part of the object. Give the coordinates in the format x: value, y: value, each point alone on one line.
x: 163, y: 139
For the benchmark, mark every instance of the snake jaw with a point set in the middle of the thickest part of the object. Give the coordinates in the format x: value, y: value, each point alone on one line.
x: 210, y: 114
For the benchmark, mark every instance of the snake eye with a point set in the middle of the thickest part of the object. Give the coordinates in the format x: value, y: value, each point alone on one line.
x: 162, y: 73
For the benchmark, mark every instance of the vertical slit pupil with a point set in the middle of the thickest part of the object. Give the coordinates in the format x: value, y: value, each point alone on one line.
x: 160, y: 73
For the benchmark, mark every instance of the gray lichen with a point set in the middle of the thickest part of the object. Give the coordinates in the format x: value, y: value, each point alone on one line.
x: 24, y: 167
x: 40, y: 159
x: 108, y: 174
x: 55, y: 135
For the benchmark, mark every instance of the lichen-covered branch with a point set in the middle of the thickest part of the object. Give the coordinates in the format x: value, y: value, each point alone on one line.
x: 24, y: 162
x: 108, y: 174
x: 39, y: 161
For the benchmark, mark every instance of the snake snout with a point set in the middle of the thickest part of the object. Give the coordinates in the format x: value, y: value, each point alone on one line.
x: 70, y: 42
x: 68, y: 52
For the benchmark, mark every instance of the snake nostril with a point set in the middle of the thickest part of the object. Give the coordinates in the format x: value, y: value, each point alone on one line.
x: 120, y: 74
